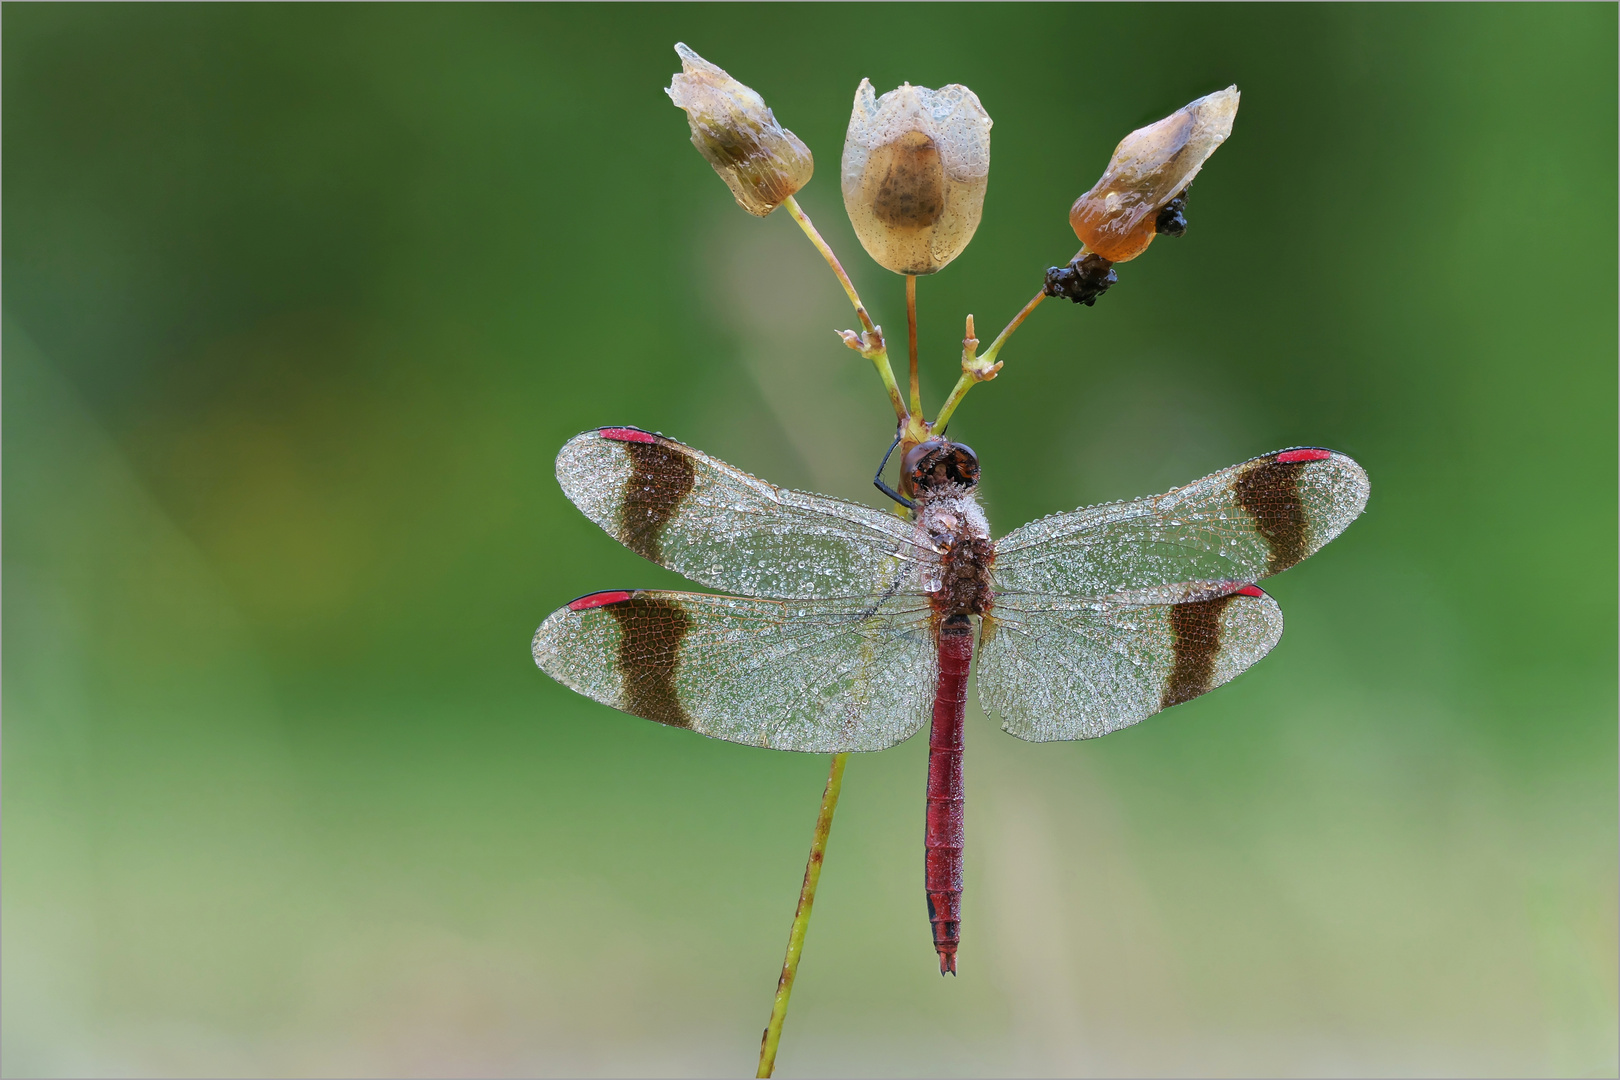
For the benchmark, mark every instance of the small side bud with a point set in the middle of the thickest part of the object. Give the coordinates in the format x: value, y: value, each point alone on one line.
x: 916, y: 165
x: 978, y: 368
x: 869, y: 343
x: 760, y: 161
x: 1152, y: 166
x: 1086, y: 277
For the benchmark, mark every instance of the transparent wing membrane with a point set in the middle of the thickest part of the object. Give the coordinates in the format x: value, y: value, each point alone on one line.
x: 1240, y: 524
x: 1058, y: 668
x: 728, y: 530
x: 813, y: 675
x: 1099, y: 618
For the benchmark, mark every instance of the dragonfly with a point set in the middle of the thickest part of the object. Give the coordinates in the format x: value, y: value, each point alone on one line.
x: 840, y: 627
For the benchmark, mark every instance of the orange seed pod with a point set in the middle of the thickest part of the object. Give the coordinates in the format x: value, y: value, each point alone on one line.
x: 1150, y: 167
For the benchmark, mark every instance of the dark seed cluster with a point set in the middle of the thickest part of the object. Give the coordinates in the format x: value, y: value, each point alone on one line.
x: 1085, y: 278
x: 1172, y: 219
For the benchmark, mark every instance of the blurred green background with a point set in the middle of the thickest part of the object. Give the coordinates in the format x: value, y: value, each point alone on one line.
x: 300, y: 303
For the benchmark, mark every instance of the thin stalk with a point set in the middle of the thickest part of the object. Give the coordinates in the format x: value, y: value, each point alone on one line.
x: 801, y: 918
x: 792, y: 206
x: 964, y: 383
x: 985, y: 364
x: 1018, y: 319
x: 870, y: 344
x: 911, y: 338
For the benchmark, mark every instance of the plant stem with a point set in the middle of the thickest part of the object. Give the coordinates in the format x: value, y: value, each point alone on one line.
x: 968, y: 379
x: 873, y: 337
x: 964, y: 383
x: 911, y: 338
x: 1018, y: 319
x: 801, y: 918
x: 792, y: 206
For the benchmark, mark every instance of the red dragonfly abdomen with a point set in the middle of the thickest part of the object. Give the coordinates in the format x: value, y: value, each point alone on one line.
x: 943, y: 833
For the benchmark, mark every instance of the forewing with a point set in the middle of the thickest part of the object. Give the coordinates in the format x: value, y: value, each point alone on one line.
x: 1072, y: 669
x: 1240, y: 524
x: 815, y: 675
x: 728, y: 530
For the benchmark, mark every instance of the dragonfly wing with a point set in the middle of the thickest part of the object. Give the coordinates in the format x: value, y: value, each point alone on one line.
x: 814, y: 675
x: 1076, y: 669
x: 728, y: 530
x: 1240, y: 524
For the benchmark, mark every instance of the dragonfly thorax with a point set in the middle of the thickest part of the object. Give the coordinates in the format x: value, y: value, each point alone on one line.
x: 941, y: 476
x: 950, y: 521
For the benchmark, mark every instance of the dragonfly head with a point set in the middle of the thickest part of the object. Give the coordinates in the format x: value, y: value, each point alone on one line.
x: 936, y: 463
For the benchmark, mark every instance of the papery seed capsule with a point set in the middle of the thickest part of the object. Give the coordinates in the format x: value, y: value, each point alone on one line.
x: 1152, y: 166
x: 916, y: 164
x: 762, y: 162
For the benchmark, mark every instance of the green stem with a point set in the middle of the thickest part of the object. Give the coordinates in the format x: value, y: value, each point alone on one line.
x: 872, y: 339
x: 964, y: 383
x: 801, y: 918
x: 1001, y: 338
x: 983, y: 367
x: 792, y: 206
x: 880, y: 360
x: 911, y: 340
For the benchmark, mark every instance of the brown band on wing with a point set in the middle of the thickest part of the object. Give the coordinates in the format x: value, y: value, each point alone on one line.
x: 1269, y: 491
x: 1195, y: 630
x: 650, y: 635
x: 661, y: 477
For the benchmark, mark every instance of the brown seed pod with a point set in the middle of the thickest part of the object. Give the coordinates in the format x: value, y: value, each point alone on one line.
x: 916, y: 164
x: 1119, y: 216
x: 762, y: 162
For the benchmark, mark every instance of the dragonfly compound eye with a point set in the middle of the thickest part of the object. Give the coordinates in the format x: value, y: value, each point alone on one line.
x: 962, y: 465
x: 936, y: 463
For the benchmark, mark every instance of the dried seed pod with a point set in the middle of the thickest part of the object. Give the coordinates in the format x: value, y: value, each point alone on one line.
x: 916, y: 164
x: 762, y: 162
x: 1151, y: 167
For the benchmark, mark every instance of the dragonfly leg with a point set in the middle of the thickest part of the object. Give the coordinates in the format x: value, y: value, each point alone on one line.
x: 885, y: 488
